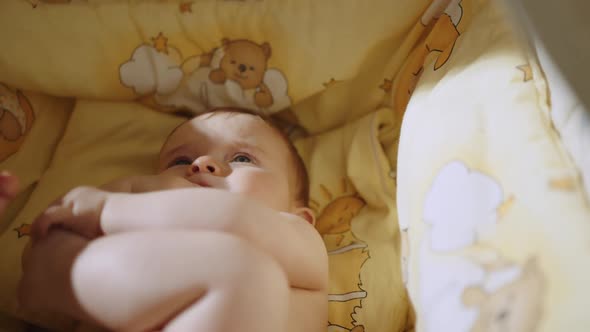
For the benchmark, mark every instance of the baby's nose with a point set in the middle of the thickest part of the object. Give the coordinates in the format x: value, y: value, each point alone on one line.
x: 206, y: 164
x: 242, y: 67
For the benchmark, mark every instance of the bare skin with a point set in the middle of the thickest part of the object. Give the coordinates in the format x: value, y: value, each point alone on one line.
x: 248, y: 260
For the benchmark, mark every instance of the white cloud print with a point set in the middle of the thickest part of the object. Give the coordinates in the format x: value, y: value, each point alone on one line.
x: 460, y: 206
x: 438, y: 7
x: 455, y: 11
x: 150, y: 71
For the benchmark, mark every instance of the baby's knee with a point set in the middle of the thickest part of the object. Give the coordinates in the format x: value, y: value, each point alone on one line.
x: 97, y: 258
x: 107, y: 265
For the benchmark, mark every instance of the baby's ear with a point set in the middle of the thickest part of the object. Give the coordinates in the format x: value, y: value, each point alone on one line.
x: 306, y: 213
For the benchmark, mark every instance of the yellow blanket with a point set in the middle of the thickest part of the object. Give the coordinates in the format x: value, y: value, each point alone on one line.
x: 491, y: 206
x: 330, y: 77
x: 481, y: 204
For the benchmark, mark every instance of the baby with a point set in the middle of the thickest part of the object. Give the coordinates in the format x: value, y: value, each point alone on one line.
x: 220, y: 240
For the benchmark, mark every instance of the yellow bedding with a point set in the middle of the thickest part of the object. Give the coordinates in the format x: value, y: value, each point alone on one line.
x: 492, y: 206
x: 477, y: 200
x: 175, y: 54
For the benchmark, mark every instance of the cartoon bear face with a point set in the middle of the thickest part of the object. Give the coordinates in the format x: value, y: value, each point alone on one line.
x: 516, y: 307
x: 16, y: 119
x: 243, y: 62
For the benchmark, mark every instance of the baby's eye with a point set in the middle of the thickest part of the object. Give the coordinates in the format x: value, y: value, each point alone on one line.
x: 241, y: 158
x: 180, y: 161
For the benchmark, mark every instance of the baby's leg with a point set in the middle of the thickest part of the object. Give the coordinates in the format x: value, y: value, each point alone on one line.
x: 183, y: 281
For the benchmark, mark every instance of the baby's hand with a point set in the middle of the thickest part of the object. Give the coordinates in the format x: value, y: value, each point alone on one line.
x: 78, y: 211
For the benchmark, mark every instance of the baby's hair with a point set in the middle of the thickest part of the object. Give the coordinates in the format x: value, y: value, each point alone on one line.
x: 302, y: 178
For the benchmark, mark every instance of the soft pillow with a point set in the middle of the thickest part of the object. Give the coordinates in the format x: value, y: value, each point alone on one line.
x: 353, y: 193
x: 491, y: 207
x: 263, y: 55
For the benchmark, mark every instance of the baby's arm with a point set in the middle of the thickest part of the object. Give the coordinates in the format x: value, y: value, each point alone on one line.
x: 286, y: 239
x: 79, y: 210
x: 293, y: 242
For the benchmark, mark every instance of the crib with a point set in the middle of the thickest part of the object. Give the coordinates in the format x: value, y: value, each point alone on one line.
x: 448, y: 162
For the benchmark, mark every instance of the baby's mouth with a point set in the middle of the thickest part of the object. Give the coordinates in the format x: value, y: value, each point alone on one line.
x: 201, y: 183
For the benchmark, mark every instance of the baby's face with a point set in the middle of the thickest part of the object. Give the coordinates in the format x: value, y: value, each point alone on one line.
x: 235, y: 152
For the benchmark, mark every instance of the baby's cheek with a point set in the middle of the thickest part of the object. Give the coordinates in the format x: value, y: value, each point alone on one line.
x: 270, y: 191
x: 174, y: 171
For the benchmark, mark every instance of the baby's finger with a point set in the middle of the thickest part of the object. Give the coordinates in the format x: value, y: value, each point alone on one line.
x: 53, y: 215
x: 38, y: 227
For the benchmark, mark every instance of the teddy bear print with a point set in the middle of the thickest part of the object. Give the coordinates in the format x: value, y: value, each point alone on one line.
x: 515, y: 307
x: 245, y: 63
x: 16, y: 119
x: 235, y: 74
x: 442, y: 26
x: 347, y: 255
x: 336, y: 219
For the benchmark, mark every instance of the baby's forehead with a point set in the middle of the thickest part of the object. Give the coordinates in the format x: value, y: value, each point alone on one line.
x: 212, y: 128
x: 228, y: 124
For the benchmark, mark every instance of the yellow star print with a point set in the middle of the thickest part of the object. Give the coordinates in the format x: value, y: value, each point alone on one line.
x: 186, y: 7
x: 505, y: 206
x: 160, y: 43
x: 527, y: 71
x: 23, y: 230
x: 386, y: 85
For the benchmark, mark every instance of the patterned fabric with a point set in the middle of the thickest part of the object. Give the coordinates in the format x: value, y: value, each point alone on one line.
x: 492, y: 210
x: 478, y: 217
